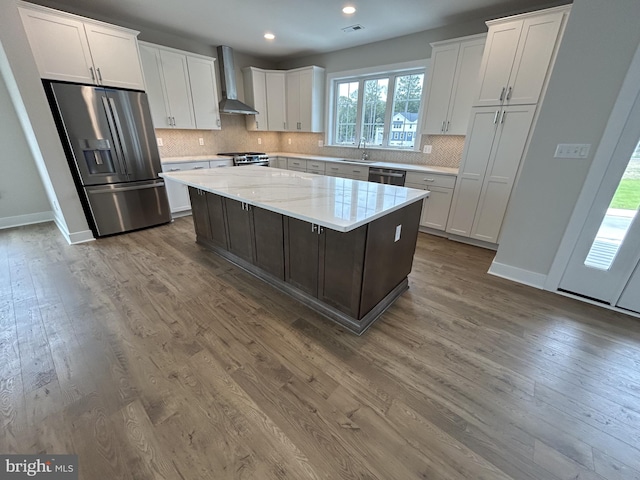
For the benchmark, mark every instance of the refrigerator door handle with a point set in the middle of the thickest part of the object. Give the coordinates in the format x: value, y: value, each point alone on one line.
x: 126, y: 188
x: 115, y: 132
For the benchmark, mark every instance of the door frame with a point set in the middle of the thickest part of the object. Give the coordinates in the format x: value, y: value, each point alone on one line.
x: 623, y: 108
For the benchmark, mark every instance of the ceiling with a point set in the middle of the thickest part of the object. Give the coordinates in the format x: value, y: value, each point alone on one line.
x: 301, y: 27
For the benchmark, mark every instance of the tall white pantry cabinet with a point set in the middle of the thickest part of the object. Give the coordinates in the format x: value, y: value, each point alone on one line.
x: 516, y: 64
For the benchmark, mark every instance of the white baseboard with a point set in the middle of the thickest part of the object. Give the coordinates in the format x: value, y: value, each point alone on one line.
x: 527, y: 277
x: 75, y: 237
x: 28, y: 219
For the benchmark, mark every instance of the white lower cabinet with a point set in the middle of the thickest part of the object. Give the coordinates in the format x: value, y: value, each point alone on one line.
x: 316, y: 166
x: 177, y: 192
x: 435, y: 208
x: 347, y: 170
x: 297, y: 164
x: 495, y: 144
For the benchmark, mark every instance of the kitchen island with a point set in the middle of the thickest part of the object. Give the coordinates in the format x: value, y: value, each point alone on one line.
x: 342, y: 247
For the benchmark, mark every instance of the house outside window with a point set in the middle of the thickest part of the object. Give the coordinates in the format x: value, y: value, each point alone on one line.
x: 382, y: 110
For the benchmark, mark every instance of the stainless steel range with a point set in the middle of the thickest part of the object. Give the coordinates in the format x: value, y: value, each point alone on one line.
x: 248, y: 158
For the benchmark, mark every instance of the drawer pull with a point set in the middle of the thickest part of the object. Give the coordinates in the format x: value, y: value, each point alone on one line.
x: 429, y: 179
x: 174, y: 169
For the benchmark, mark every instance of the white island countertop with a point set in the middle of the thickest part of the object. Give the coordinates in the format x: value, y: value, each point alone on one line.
x: 337, y: 203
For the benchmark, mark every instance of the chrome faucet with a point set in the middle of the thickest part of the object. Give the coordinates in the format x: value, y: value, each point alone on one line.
x: 365, y: 155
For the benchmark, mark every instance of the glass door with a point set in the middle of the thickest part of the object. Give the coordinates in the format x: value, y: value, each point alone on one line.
x: 608, y: 249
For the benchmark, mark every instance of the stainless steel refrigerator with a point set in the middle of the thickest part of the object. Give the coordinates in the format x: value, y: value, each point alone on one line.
x: 110, y: 143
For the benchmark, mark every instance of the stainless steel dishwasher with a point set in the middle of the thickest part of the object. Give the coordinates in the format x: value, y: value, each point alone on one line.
x: 387, y: 175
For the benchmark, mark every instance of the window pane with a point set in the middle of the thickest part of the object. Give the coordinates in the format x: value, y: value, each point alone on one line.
x: 375, y: 105
x: 346, y: 111
x: 617, y: 220
x: 406, y: 105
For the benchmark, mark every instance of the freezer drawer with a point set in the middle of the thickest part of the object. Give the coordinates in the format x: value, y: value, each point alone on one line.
x: 122, y: 207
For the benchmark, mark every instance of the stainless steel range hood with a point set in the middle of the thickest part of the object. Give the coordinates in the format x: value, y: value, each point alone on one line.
x: 230, y: 102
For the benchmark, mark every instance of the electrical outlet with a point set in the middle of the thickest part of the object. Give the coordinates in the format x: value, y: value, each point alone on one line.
x: 427, y: 149
x: 201, y: 141
x: 320, y: 143
x: 259, y: 141
x: 160, y: 142
x: 289, y: 141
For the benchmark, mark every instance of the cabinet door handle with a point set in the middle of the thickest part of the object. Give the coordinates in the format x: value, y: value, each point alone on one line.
x: 495, y: 118
x: 93, y: 75
x: 174, y: 169
x: 502, y: 93
x: 197, y: 168
x: 442, y: 127
x: 174, y: 121
x: 448, y: 123
x: 257, y: 125
x: 169, y: 120
x: 313, y: 227
x: 502, y: 116
x: 218, y: 122
x: 509, y: 93
x: 99, y: 74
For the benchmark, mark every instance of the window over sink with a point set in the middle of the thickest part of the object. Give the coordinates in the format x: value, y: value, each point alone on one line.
x: 377, y: 108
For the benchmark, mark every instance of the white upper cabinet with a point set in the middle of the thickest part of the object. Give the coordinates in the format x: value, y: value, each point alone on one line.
x: 455, y: 65
x: 255, y: 95
x: 74, y: 49
x: 168, y: 88
x: 517, y: 57
x: 265, y: 90
x: 276, y: 100
x: 304, y: 99
x: 202, y: 77
x: 181, y: 88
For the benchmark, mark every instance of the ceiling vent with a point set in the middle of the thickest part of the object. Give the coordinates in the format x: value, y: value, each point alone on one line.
x: 353, y: 28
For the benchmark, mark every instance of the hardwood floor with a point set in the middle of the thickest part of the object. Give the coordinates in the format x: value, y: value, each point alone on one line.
x: 152, y: 358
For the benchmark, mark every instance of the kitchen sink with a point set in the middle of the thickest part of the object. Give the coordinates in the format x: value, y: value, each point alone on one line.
x: 356, y: 160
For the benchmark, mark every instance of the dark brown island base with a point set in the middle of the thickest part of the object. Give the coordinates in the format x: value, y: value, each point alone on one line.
x: 349, y: 277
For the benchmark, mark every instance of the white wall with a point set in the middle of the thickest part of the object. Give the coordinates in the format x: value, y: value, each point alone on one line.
x: 595, y: 54
x: 22, y: 196
x: 21, y: 77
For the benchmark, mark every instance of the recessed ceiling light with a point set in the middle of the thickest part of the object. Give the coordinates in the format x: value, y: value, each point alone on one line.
x: 269, y: 36
x: 349, y: 10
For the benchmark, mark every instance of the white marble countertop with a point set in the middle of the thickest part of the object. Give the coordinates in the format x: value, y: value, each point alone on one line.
x: 341, y: 204
x: 399, y: 166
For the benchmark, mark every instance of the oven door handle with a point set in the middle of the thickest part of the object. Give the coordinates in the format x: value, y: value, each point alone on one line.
x: 388, y: 174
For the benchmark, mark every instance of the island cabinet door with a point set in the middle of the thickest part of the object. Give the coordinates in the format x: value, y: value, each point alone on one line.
x: 239, y: 229
x: 341, y: 264
x: 301, y: 255
x: 268, y: 235
x: 217, y: 223
x: 200, y: 212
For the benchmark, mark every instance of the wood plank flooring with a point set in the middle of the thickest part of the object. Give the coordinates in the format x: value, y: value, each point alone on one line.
x: 152, y: 358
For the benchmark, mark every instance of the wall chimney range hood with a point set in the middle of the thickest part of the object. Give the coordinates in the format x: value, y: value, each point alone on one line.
x: 230, y: 102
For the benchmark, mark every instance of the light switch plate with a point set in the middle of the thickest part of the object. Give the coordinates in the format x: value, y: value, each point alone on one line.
x: 259, y: 141
x: 572, y: 150
x: 320, y: 143
x: 160, y: 142
x: 201, y: 141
